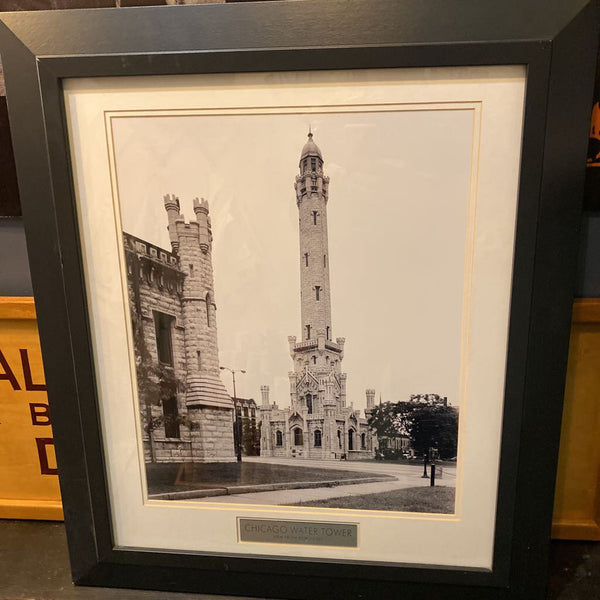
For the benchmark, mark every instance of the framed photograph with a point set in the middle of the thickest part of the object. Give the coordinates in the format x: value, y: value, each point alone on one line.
x: 303, y: 274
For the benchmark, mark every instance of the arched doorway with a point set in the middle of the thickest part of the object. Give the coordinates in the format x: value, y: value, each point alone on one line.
x: 351, y: 439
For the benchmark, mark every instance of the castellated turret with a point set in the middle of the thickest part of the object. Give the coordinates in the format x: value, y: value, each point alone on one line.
x: 370, y: 398
x: 206, y: 397
x: 264, y: 391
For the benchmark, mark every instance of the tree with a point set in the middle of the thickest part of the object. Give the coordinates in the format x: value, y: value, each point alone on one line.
x: 434, y: 426
x: 385, y: 421
x: 425, y: 419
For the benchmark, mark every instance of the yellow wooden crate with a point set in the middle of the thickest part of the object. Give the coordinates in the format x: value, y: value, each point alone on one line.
x: 28, y: 475
x: 577, y: 499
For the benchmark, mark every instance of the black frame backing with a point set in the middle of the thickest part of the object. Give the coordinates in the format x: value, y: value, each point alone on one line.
x: 555, y: 39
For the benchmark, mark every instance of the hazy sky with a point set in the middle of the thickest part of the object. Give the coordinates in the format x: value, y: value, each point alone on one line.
x: 397, y: 220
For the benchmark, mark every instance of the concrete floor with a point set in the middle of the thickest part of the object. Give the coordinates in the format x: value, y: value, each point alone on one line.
x: 34, y: 564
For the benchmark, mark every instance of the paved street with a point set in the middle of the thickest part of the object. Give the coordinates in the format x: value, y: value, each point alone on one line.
x: 406, y: 476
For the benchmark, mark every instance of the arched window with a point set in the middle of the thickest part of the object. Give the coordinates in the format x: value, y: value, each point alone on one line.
x: 327, y: 330
x: 363, y: 441
x: 278, y: 438
x: 308, y: 332
x: 298, y: 439
x: 314, y: 359
x: 317, y: 438
x: 318, y: 292
x: 309, y: 403
x: 350, y: 439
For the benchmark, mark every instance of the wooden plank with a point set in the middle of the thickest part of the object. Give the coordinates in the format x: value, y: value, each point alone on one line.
x: 586, y: 310
x: 17, y: 307
x: 43, y: 510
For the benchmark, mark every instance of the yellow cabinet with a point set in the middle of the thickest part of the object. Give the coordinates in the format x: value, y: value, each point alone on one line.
x: 577, y: 499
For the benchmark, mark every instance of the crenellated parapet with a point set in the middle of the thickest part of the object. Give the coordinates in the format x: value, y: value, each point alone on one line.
x: 152, y: 266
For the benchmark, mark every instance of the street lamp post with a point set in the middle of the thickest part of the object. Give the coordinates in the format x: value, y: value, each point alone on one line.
x: 424, y: 476
x: 237, y: 420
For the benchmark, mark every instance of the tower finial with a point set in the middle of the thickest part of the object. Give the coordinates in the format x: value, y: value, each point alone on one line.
x: 310, y: 131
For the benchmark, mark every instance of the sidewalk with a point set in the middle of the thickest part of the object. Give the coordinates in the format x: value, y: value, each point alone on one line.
x: 405, y: 476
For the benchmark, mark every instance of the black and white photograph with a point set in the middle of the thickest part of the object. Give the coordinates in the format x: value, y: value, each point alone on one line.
x: 298, y: 338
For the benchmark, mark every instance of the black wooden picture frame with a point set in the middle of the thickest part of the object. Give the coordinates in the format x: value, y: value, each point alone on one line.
x: 555, y: 40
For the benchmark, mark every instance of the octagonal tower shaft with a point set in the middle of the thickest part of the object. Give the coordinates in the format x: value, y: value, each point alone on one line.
x: 311, y: 197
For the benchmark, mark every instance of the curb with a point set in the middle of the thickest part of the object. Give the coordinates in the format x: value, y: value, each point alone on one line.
x: 264, y: 487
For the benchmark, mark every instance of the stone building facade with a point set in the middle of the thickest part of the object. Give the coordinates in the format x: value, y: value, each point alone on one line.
x: 246, y: 413
x: 187, y: 413
x: 319, y: 423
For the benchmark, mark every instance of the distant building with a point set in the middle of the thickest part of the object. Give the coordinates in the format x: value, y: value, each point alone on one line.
x: 247, y: 415
x: 186, y: 412
x: 400, y: 442
x: 319, y: 423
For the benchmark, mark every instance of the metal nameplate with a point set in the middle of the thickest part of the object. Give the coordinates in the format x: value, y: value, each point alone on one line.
x: 307, y: 533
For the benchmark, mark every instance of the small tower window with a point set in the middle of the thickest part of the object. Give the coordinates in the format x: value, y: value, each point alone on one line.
x: 298, y: 438
x: 278, y: 438
x: 191, y: 270
x: 314, y: 359
x: 308, y: 332
x: 199, y: 356
x: 306, y: 259
x: 317, y: 438
x: 210, y: 317
x: 324, y: 260
x: 313, y: 164
x: 315, y: 213
x: 318, y: 292
x: 327, y: 332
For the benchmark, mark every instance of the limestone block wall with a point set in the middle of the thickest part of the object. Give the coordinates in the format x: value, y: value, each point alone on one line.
x: 212, y: 434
